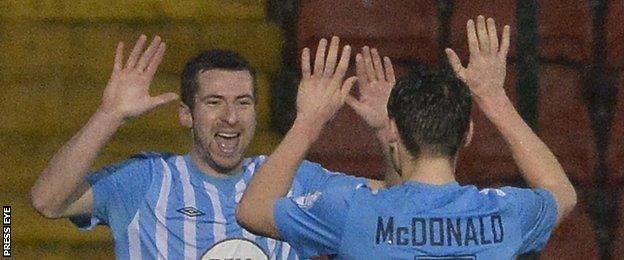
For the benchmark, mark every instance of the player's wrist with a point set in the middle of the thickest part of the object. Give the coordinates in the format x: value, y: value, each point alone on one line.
x: 109, y: 116
x: 308, y: 126
x: 496, y: 107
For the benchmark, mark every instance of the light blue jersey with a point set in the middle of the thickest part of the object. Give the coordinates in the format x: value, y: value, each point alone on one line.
x: 161, y: 206
x: 418, y: 221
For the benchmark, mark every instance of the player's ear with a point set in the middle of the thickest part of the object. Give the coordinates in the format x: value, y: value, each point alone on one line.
x: 392, y: 133
x: 394, y: 146
x: 185, y: 115
x: 469, y: 134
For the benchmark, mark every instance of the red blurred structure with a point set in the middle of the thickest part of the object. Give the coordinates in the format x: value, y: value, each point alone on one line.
x: 614, y: 34
x: 574, y: 238
x: 615, y: 151
x: 618, y: 243
x: 564, y: 123
x: 565, y: 30
x: 401, y: 29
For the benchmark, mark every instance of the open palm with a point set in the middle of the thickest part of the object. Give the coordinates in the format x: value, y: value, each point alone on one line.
x: 375, y: 84
x: 127, y: 92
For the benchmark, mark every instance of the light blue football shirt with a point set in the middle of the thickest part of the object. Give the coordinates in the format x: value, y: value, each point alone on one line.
x: 417, y: 221
x: 161, y: 206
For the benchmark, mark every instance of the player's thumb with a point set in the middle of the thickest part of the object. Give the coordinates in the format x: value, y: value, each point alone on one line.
x: 354, y: 103
x: 347, y: 85
x: 455, y: 62
x: 163, y: 99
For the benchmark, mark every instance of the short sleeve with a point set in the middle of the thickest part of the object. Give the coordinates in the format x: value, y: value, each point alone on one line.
x: 117, y: 190
x: 312, y: 177
x: 537, y: 210
x: 313, y: 223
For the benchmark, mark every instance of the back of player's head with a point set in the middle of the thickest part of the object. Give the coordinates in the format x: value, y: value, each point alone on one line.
x: 431, y: 111
x: 207, y: 60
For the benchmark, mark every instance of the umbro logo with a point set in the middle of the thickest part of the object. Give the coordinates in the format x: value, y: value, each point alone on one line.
x: 191, y: 212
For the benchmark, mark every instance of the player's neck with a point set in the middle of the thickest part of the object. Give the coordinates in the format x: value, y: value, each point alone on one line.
x: 204, y: 165
x: 430, y: 170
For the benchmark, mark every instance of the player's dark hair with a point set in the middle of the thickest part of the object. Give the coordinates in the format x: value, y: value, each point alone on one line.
x: 207, y: 60
x: 431, y: 111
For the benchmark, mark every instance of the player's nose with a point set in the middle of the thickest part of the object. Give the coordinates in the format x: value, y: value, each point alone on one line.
x: 229, y: 115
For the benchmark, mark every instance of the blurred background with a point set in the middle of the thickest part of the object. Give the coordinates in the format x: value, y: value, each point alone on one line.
x: 564, y: 73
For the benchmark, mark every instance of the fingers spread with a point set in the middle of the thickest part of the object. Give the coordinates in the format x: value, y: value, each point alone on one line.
x: 493, y: 35
x: 360, y: 71
x: 149, y: 53
x: 343, y: 65
x: 155, y: 61
x: 319, y: 60
x: 389, y: 70
x: 484, y: 40
x: 368, y: 62
x: 379, y: 70
x: 136, y: 52
x: 305, y: 63
x: 504, y: 48
x: 118, y: 57
x: 473, y: 42
x: 332, y: 57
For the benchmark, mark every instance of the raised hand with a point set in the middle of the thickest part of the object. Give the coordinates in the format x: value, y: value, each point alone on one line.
x: 375, y: 84
x: 485, y: 73
x: 127, y: 92
x: 322, y: 92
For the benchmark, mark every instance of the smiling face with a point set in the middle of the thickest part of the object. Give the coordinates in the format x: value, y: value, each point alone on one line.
x: 223, y: 120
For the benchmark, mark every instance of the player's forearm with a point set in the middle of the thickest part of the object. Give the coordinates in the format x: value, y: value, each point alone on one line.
x: 535, y: 160
x: 65, y: 176
x: 274, y: 178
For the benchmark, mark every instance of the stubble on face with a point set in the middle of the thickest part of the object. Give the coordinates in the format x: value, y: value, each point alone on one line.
x: 224, y: 120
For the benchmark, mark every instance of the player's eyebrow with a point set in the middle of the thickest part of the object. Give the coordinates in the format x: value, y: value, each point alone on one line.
x: 223, y: 97
x: 211, y: 96
x: 245, y: 96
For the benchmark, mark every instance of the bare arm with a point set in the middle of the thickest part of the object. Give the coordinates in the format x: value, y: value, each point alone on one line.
x: 321, y: 94
x: 485, y: 76
x: 62, y: 189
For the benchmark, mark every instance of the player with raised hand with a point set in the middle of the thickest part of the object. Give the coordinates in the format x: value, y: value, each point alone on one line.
x: 375, y: 82
x: 485, y: 76
x: 163, y: 205
x: 62, y: 190
x: 322, y: 92
x: 428, y: 215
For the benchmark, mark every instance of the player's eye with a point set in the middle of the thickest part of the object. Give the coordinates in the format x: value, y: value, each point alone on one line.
x: 213, y: 102
x: 245, y: 102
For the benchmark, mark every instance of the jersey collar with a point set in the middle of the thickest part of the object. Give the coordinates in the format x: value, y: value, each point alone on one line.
x: 194, y: 169
x: 427, y: 186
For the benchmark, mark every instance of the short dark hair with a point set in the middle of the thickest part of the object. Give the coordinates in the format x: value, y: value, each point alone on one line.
x: 207, y: 60
x: 432, y: 112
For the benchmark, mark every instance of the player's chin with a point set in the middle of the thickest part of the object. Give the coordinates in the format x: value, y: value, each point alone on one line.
x: 229, y: 162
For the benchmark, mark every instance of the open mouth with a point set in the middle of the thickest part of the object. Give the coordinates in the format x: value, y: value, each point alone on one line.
x: 227, y: 142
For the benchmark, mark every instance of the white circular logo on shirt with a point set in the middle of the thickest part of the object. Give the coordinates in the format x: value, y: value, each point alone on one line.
x: 236, y: 248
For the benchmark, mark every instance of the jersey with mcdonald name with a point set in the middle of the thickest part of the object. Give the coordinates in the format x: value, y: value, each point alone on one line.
x: 418, y: 221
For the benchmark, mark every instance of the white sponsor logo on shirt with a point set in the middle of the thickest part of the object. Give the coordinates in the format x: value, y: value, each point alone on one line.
x: 497, y: 191
x: 308, y: 200
x: 235, y: 249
